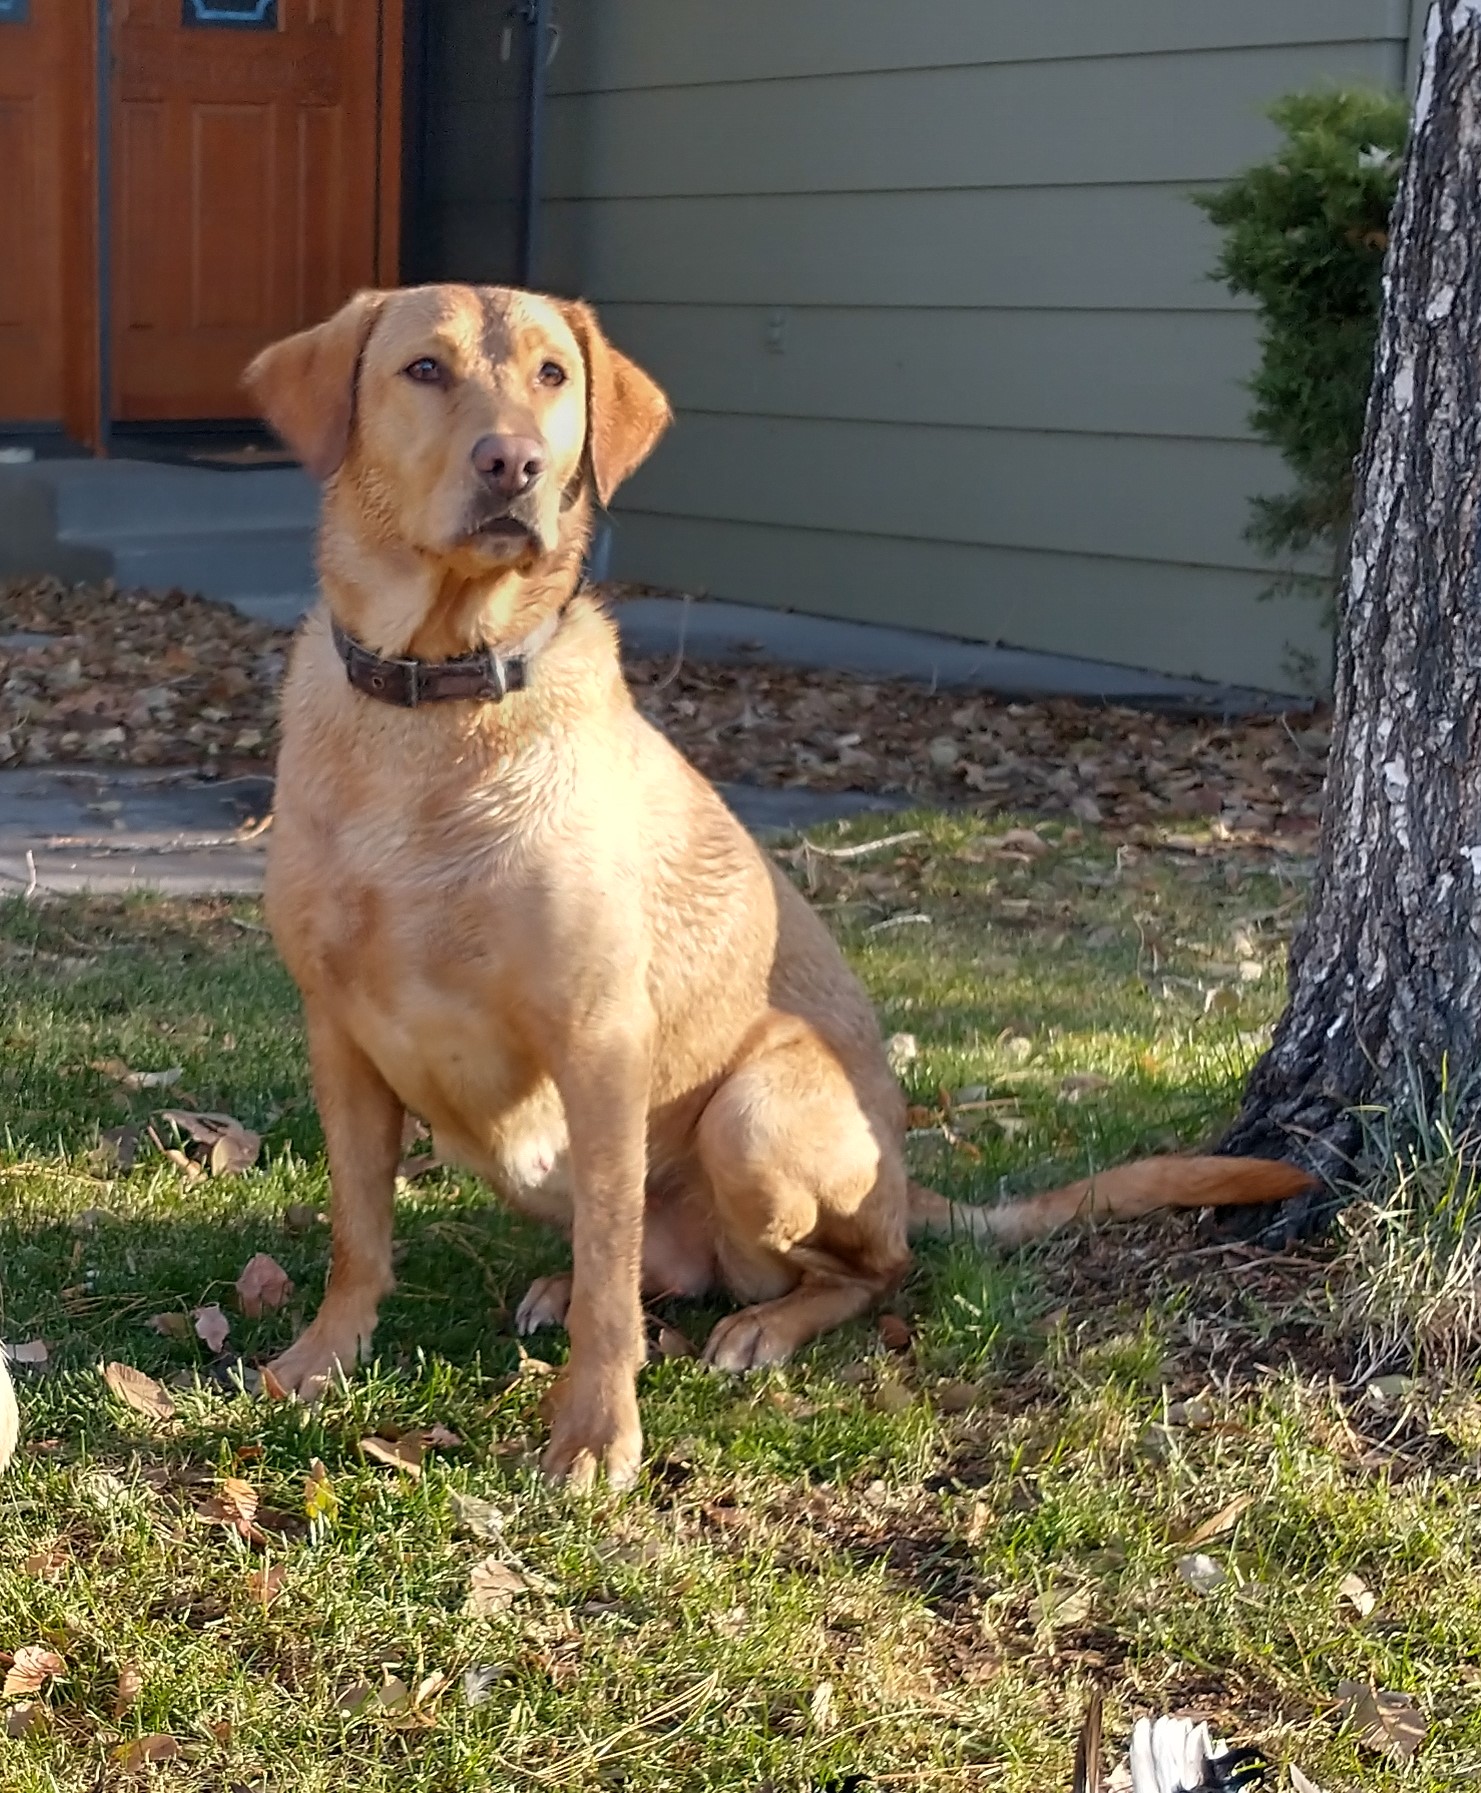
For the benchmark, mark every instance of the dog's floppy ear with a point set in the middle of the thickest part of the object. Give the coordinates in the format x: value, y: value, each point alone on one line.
x: 626, y: 411
x: 305, y: 385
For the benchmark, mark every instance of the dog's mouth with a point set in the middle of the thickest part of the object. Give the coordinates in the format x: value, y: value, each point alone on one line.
x: 502, y: 529
x: 504, y: 534
x: 504, y: 537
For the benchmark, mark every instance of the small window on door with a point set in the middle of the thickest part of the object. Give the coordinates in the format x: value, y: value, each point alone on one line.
x: 250, y: 15
x: 14, y: 12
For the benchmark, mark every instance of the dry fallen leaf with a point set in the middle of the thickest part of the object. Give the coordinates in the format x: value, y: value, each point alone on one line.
x: 46, y: 1565
x: 1061, y: 1605
x: 1222, y: 1521
x: 404, y: 1453
x: 138, y: 1391
x: 34, y: 1665
x: 263, y: 1285
x: 158, y: 1746
x: 117, y: 1149
x: 895, y: 1333
x: 211, y: 1325
x: 481, y: 1517
x: 230, y: 1147
x: 956, y: 1397
x: 234, y: 1505
x: 170, y: 1326
x: 26, y: 1719
x: 353, y: 1698
x: 137, y: 1080
x: 265, y: 1584
x: 130, y: 1685
x: 1023, y: 840
x: 1355, y: 1589
x: 269, y: 1386
x: 430, y: 1688
x: 493, y: 1586
x: 234, y: 1153
x: 891, y: 1397
x: 393, y: 1695
x: 1388, y: 1722
x: 440, y: 1437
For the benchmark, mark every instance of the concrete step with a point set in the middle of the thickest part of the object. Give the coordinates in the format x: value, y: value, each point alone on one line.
x: 228, y: 563
x: 108, y: 500
x: 244, y: 537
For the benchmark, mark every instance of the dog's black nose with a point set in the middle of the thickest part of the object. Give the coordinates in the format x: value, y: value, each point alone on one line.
x: 510, y: 464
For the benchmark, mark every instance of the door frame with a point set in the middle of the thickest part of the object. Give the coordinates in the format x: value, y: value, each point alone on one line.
x: 87, y: 240
x: 538, y: 36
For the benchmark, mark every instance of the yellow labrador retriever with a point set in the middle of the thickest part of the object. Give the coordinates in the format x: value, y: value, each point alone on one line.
x: 515, y: 911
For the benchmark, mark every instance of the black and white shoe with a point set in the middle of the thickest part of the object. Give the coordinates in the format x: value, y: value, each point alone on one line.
x: 1168, y: 1755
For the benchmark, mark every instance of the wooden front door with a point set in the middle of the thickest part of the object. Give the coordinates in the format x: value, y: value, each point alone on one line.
x: 247, y: 197
x: 33, y: 97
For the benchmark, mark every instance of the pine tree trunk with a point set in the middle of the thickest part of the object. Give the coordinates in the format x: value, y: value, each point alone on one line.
x: 1385, y: 975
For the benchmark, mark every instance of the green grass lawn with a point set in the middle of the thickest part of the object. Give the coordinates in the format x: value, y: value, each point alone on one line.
x: 902, y: 1562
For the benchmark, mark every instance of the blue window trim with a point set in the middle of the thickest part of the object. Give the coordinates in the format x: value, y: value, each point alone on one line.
x: 15, y: 12
x: 260, y: 15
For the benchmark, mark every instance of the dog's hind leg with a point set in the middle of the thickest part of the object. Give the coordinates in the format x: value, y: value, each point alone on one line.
x: 809, y: 1194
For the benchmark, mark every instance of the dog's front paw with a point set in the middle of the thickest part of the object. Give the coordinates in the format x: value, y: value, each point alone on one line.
x: 320, y: 1353
x: 595, y: 1433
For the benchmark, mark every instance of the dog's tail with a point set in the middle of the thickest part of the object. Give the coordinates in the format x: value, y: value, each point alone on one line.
x: 10, y: 1418
x: 1122, y: 1194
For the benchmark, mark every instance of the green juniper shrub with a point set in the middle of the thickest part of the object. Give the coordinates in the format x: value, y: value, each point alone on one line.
x: 1304, y: 235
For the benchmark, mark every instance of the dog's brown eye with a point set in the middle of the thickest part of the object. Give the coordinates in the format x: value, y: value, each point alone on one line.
x: 552, y: 374
x: 426, y: 372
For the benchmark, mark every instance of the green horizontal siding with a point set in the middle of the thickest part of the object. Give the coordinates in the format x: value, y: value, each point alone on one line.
x: 613, y: 44
x: 1171, y: 118
x: 1136, y: 497
x: 1137, y: 248
x: 926, y: 286
x: 1108, y: 372
x: 1213, y: 625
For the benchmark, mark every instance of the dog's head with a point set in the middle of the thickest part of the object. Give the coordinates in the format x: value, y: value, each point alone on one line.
x: 468, y: 420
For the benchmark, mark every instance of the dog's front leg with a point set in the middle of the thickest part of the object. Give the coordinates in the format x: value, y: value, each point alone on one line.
x: 362, y: 1119
x: 604, y: 1088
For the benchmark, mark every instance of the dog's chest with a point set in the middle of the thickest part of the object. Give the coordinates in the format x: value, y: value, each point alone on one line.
x: 406, y: 928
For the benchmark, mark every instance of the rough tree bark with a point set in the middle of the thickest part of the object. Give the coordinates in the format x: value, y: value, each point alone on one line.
x: 1385, y: 975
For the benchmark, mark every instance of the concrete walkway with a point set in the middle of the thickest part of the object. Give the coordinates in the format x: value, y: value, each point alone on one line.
x: 108, y: 830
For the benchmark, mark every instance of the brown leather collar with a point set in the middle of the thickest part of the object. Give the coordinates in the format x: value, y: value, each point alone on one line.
x: 485, y: 677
